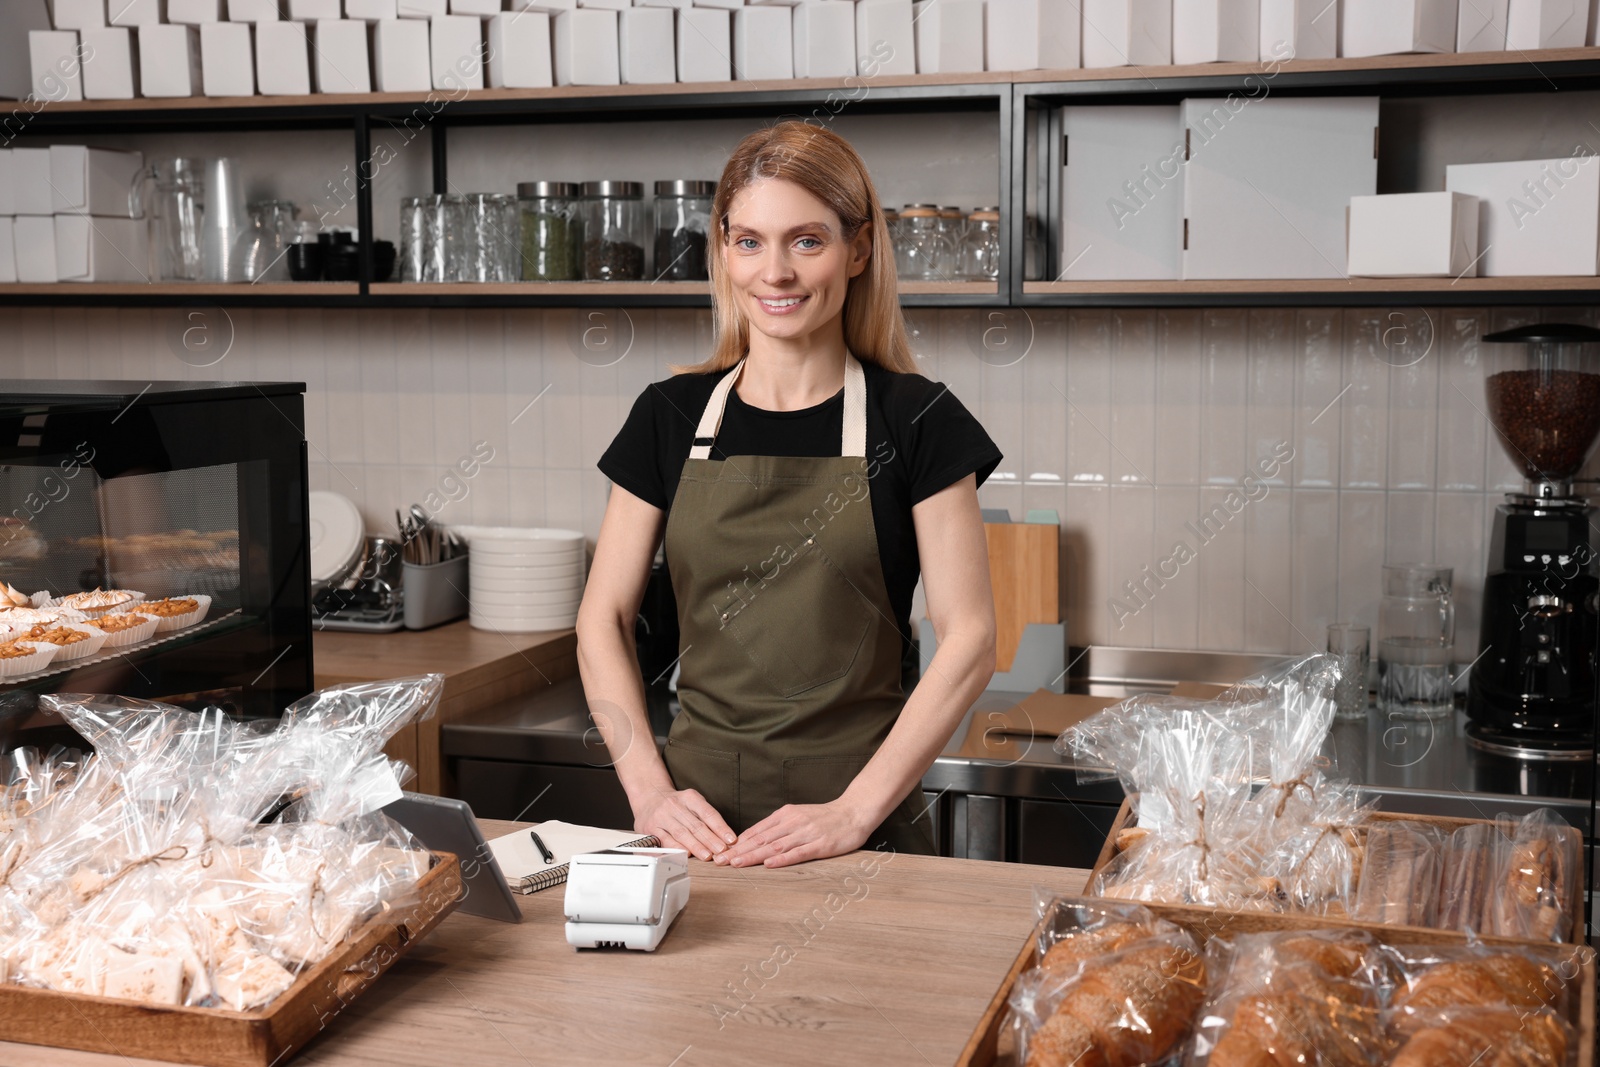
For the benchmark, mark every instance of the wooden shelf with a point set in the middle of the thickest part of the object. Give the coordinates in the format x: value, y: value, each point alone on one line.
x: 198, y: 290
x: 1319, y: 291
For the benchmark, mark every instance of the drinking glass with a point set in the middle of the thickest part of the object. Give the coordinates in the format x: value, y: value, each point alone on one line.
x: 490, y: 238
x: 1352, y: 644
x: 432, y: 235
x: 174, y: 203
x: 262, y: 248
x: 1416, y: 642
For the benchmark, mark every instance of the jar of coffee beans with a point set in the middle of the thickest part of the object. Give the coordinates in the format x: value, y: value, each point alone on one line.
x: 552, y: 231
x: 613, y: 231
x: 683, y: 220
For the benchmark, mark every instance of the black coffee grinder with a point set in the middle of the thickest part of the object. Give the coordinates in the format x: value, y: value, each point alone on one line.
x: 1532, y: 688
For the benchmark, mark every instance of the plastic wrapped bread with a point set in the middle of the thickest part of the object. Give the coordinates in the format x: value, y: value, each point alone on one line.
x: 1533, y: 887
x: 1400, y: 874
x: 145, y: 871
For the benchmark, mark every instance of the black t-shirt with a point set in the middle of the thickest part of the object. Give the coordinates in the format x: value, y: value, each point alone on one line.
x: 933, y: 440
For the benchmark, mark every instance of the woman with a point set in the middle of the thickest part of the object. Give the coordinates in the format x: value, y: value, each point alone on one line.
x: 801, y: 476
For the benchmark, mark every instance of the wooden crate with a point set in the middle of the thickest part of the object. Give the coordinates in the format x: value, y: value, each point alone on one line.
x: 1127, y: 817
x: 983, y: 1048
x: 217, y: 1037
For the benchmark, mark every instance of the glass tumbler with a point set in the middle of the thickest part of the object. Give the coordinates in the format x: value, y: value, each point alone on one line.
x: 431, y: 234
x: 1351, y: 643
x: 262, y: 248
x: 491, y: 238
x: 1416, y: 642
x: 980, y: 246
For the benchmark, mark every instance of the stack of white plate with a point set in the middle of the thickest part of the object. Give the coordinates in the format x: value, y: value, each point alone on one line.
x: 523, y: 579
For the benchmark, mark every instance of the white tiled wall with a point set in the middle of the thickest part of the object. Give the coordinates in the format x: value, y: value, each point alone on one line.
x: 1129, y: 424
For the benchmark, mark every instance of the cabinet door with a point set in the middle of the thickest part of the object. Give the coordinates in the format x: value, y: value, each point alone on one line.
x: 534, y: 792
x: 1062, y: 834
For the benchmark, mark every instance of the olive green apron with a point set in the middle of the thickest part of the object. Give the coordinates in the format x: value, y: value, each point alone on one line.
x: 790, y: 674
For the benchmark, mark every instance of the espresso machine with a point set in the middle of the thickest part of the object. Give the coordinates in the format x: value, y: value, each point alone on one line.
x: 1532, y: 691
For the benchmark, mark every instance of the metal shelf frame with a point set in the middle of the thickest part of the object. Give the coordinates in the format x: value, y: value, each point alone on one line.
x: 1025, y: 106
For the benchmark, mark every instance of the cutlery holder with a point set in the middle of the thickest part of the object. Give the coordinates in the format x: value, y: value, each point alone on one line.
x: 435, y: 593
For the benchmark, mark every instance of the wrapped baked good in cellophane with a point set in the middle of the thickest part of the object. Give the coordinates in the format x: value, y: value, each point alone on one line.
x: 1311, y: 998
x: 201, y: 860
x: 1233, y: 808
x: 1531, y: 891
x: 1113, y: 985
x: 1482, y: 1006
x: 1400, y: 874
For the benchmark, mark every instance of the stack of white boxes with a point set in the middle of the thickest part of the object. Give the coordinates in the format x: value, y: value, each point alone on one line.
x: 64, y: 216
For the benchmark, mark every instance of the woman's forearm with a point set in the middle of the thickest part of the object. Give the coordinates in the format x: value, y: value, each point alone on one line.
x: 608, y: 665
x: 958, y: 672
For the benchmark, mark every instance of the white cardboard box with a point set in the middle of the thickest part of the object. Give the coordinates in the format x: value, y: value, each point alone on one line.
x: 885, y: 43
x: 519, y: 51
x: 194, y: 12
x: 825, y: 39
x: 1299, y: 29
x: 1538, y: 217
x: 586, y: 48
x: 370, y: 10
x: 8, y: 185
x: 1268, y: 182
x: 169, y: 60
x: 646, y: 53
x: 763, y: 44
x: 610, y: 5
x: 1216, y: 31
x: 1594, y: 22
x: 227, y: 60
x: 705, y: 42
x: 35, y: 243
x: 949, y: 36
x: 78, y: 14
x: 483, y: 9
x: 1121, y: 197
x: 8, y: 251
x: 1393, y: 27
x: 400, y: 60
x: 93, y: 181
x: 90, y: 249
x: 253, y: 11
x: 340, y: 49
x: 1414, y: 235
x: 637, y: 3
x: 455, y: 50
x: 57, y: 72
x: 1534, y: 24
x: 1122, y: 33
x: 312, y: 10
x: 1039, y: 34
x: 1482, y: 26
x: 135, y: 12
x: 726, y: 5
x: 283, y: 59
x: 30, y: 181
x: 109, y: 70
x: 17, y: 19
x: 556, y: 7
x: 421, y: 9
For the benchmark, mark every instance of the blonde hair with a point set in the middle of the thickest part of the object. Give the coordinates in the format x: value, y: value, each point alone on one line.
x: 824, y: 165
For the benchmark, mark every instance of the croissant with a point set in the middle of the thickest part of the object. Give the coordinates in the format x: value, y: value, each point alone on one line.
x: 1082, y: 945
x: 1507, y: 979
x: 1293, y: 1029
x: 1493, y: 1039
x: 1132, y: 1009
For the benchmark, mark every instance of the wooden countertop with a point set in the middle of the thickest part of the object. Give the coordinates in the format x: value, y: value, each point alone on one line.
x: 481, y: 667
x: 892, y: 960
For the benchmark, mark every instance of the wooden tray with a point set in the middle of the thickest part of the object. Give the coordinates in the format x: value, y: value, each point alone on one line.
x: 1126, y: 817
x: 983, y: 1048
x: 218, y: 1037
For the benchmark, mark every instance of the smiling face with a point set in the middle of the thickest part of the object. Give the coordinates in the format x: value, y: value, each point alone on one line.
x: 789, y: 263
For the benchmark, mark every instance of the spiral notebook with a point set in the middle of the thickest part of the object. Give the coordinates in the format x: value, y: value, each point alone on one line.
x: 525, y: 869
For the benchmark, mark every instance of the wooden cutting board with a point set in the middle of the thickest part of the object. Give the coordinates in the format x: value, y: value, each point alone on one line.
x: 1025, y: 572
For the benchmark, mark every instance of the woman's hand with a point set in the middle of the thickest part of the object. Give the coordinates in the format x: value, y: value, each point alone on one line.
x: 682, y: 818
x: 796, y: 833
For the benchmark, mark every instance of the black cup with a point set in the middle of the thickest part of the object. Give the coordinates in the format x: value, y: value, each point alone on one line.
x: 341, y: 263
x: 305, y: 262
x: 383, y: 256
x: 336, y: 237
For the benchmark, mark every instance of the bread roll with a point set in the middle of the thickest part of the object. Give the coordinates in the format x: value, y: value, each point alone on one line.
x: 1508, y: 979
x: 1131, y: 1008
x: 1083, y: 945
x: 1488, y: 1039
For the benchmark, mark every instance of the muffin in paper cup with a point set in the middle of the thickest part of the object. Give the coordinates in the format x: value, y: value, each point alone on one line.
x: 37, y: 660
x: 168, y: 623
x: 94, y: 639
x: 132, y: 635
x: 99, y: 601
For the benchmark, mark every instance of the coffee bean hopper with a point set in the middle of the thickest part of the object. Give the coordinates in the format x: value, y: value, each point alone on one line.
x: 1532, y: 688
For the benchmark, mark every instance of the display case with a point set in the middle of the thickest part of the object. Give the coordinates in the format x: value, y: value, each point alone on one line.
x: 166, y: 490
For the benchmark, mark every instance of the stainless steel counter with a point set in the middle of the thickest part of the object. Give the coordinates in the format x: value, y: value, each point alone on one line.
x: 1010, y: 798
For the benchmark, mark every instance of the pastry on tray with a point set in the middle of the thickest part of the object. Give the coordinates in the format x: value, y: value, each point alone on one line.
x: 24, y: 657
x: 98, y: 601
x: 1500, y: 1038
x: 176, y: 612
x: 124, y: 627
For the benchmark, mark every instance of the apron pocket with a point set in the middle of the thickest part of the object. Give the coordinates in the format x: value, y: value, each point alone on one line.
x: 819, y: 779
x: 805, y: 630
x: 712, y: 772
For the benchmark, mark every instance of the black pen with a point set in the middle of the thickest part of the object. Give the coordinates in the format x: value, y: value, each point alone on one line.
x: 549, y: 857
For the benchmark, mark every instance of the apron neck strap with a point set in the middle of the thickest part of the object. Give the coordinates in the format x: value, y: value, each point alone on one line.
x: 855, y: 411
